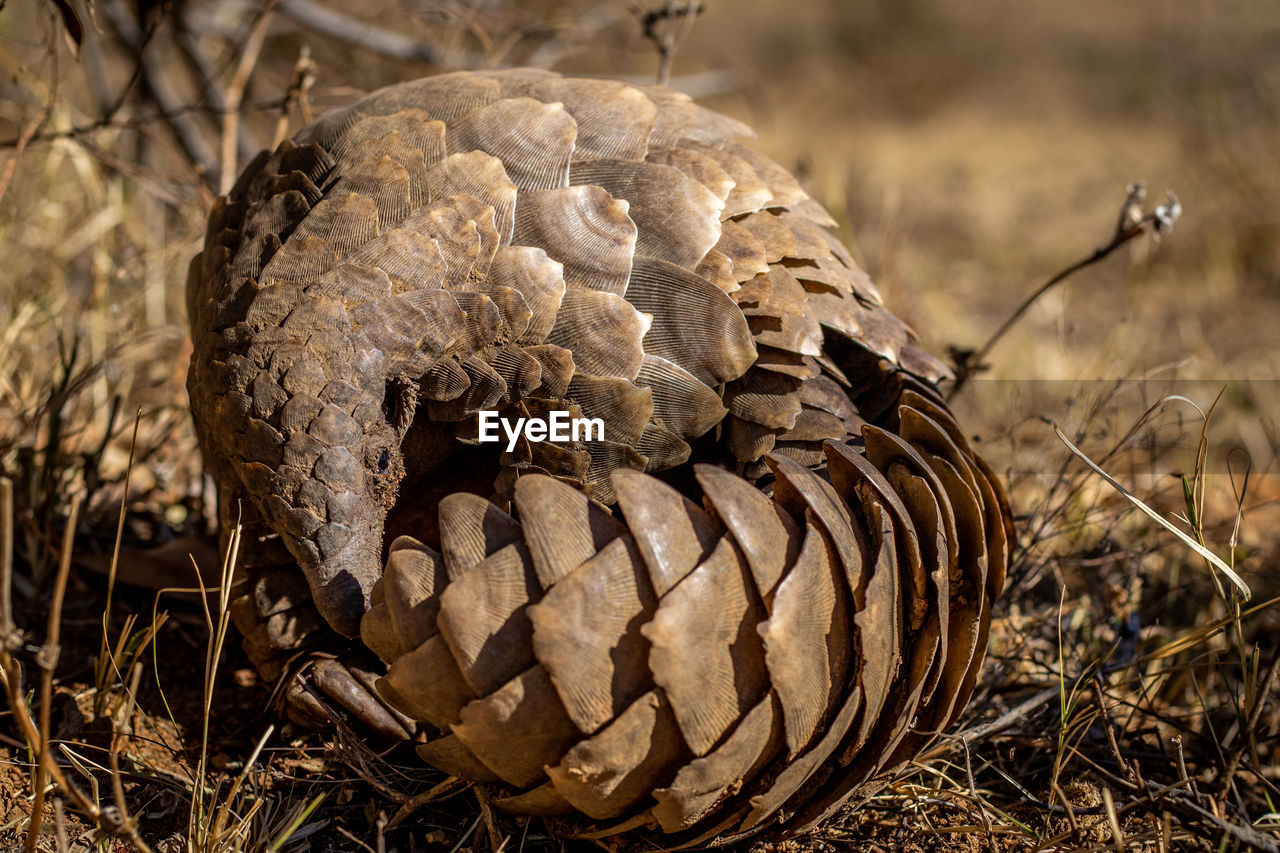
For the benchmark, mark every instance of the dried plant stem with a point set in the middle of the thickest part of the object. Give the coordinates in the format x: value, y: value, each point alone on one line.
x: 970, y: 363
x: 235, y: 95
x: 125, y: 714
x: 1131, y: 223
x: 1245, y: 733
x: 47, y: 660
x: 1212, y: 559
x: 409, y: 806
x: 304, y: 74
x: 101, y: 663
x: 198, y: 818
x: 202, y: 66
x: 10, y: 639
x: 154, y: 76
x: 23, y: 139
x: 679, y: 23
x: 393, y: 45
x: 37, y: 737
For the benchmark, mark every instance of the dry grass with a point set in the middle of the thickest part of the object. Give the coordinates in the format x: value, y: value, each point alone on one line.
x: 1130, y: 697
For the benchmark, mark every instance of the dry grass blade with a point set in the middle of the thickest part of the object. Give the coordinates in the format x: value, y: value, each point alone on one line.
x: 38, y: 735
x: 103, y: 665
x: 1212, y: 558
x: 293, y: 827
x: 199, y: 820
x: 223, y: 815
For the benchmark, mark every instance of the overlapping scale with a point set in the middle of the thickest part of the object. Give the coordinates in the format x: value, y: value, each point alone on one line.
x: 702, y: 670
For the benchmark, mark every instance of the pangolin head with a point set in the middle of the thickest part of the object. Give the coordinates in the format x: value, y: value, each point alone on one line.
x: 315, y: 438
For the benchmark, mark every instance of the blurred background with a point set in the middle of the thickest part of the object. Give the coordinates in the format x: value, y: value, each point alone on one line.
x: 968, y: 150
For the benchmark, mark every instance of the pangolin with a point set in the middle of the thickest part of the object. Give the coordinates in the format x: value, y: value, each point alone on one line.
x: 766, y: 584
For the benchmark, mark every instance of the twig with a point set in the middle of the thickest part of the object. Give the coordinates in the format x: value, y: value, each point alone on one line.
x: 235, y: 94
x: 1189, y: 808
x: 10, y: 638
x: 47, y: 660
x: 155, y: 78
x: 108, y: 116
x: 330, y: 22
x: 217, y: 99
x: 12, y: 678
x: 1131, y: 223
x: 304, y: 75
x: 1187, y: 803
x: 1111, y: 735
x: 1245, y: 734
x: 496, y: 842
x: 27, y: 133
x: 417, y: 801
x: 669, y: 41
x: 113, y: 754
x: 999, y: 724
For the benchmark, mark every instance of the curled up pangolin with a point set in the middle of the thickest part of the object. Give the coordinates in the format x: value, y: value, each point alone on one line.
x: 765, y: 586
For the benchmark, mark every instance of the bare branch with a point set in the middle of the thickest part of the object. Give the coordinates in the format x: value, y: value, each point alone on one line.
x: 330, y: 22
x: 679, y: 23
x: 235, y: 94
x: 1130, y: 224
x: 27, y: 133
x: 47, y: 660
x: 190, y: 135
x: 246, y: 145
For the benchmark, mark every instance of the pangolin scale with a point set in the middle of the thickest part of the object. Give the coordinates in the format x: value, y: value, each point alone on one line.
x: 769, y: 582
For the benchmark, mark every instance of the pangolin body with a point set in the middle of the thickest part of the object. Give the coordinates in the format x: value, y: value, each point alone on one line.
x: 771, y: 579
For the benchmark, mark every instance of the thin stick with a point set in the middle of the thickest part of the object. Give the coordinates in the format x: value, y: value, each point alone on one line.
x: 1111, y: 735
x: 156, y: 79
x: 669, y: 41
x: 1245, y: 734
x: 113, y: 754
x: 10, y: 638
x: 47, y: 660
x: 419, y: 800
x: 1131, y: 224
x: 27, y: 133
x: 304, y: 74
x: 330, y: 22
x: 235, y: 94
x: 12, y: 678
x: 208, y: 74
